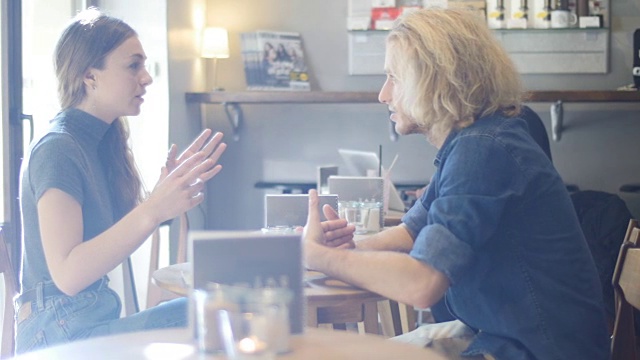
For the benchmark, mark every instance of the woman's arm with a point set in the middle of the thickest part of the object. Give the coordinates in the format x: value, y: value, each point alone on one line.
x: 75, y: 264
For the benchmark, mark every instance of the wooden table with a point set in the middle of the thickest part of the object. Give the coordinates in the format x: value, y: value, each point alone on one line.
x: 178, y: 344
x: 393, y: 218
x: 329, y: 301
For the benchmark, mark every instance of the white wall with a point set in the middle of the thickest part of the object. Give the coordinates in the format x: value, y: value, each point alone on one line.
x: 4, y: 117
x: 4, y: 120
x: 187, y: 71
x: 149, y: 130
x: 286, y: 142
x: 168, y: 30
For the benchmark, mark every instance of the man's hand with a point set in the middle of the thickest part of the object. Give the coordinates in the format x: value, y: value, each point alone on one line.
x: 319, y: 235
x: 337, y: 232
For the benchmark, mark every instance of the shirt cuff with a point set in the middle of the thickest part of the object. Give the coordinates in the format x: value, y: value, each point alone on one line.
x: 410, y: 219
x: 436, y: 246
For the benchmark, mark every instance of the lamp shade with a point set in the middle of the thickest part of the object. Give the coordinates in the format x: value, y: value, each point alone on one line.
x: 215, y: 43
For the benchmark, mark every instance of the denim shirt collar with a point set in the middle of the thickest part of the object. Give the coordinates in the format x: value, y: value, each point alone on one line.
x: 441, y: 152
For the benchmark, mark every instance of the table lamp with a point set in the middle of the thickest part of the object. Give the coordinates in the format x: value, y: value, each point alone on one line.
x: 215, y: 45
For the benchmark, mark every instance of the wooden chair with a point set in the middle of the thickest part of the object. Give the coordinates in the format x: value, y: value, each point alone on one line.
x: 396, y: 318
x: 9, y: 292
x: 156, y: 294
x: 626, y: 285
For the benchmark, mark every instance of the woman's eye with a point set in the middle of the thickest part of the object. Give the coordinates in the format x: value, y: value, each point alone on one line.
x: 135, y: 66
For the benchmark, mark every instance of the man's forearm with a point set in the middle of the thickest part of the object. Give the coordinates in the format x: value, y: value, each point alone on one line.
x: 396, y: 238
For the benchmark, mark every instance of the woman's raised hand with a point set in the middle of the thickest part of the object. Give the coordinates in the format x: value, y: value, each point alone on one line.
x: 183, y: 178
x: 213, y: 148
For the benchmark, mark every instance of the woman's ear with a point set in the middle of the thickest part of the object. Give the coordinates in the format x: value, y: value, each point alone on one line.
x: 90, y: 79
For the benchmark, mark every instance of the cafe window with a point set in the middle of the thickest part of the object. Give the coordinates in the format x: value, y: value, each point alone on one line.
x: 4, y: 121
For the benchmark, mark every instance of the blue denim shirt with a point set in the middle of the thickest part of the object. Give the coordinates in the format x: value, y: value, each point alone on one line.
x: 497, y: 220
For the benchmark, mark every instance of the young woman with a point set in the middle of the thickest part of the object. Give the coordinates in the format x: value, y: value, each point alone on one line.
x: 83, y: 210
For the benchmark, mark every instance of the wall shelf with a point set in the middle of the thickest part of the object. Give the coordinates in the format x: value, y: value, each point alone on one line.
x: 319, y: 97
x: 232, y: 101
x: 282, y: 97
x: 533, y: 51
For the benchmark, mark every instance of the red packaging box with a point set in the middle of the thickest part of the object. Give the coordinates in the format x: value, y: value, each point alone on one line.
x: 382, y: 18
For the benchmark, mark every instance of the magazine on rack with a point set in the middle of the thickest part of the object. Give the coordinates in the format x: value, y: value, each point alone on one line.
x: 274, y: 60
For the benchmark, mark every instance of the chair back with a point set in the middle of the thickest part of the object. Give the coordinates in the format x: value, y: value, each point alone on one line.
x: 626, y: 285
x: 155, y: 294
x: 6, y: 269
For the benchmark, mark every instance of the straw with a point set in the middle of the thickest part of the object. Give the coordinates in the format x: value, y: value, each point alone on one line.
x: 392, y: 163
x: 380, y: 160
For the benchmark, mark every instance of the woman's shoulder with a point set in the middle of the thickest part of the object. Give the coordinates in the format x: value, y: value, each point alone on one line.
x: 55, y: 143
x: 55, y: 140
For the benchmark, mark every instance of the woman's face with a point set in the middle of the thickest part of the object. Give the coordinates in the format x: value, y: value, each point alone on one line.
x: 117, y: 89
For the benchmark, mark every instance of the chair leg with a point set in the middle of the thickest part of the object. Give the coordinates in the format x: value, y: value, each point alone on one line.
x: 390, y: 318
x: 8, y: 344
x: 409, y: 317
x: 370, y: 317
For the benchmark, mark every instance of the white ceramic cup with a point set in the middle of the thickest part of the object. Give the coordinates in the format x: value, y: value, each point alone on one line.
x: 563, y: 19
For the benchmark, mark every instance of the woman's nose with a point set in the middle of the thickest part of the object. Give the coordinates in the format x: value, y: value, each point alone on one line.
x: 147, y: 79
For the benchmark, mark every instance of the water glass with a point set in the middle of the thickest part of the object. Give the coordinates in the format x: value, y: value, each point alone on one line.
x: 365, y: 215
x: 208, y: 305
x: 246, y: 335
x: 242, y: 322
x: 355, y: 213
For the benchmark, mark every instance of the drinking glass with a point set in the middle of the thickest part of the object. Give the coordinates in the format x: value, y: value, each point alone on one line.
x: 242, y: 322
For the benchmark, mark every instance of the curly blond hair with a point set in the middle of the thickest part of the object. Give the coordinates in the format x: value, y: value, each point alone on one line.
x: 450, y: 69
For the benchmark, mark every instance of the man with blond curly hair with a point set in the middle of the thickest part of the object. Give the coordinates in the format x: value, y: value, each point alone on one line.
x: 495, y: 232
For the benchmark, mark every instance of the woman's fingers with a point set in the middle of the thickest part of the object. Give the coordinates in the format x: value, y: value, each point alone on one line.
x: 212, y: 144
x: 208, y: 168
x: 213, y: 148
x: 184, y: 170
x: 208, y: 175
x: 215, y: 156
x: 184, y: 178
x: 171, y: 164
x: 196, y: 145
x: 195, y: 200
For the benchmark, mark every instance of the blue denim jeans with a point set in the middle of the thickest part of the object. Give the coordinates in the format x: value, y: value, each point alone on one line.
x: 60, y: 318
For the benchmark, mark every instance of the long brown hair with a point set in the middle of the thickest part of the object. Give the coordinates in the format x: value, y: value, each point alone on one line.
x: 83, y: 45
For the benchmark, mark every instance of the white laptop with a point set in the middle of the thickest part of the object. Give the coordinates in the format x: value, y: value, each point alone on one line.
x: 360, y: 162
